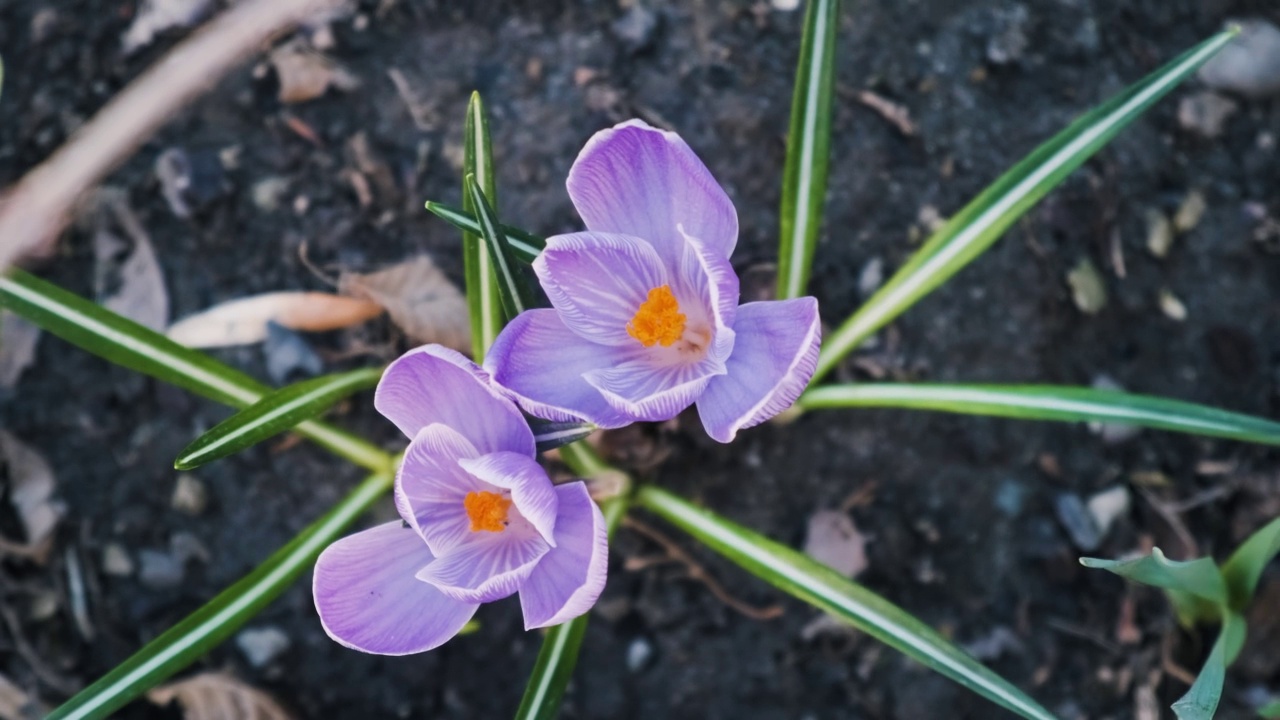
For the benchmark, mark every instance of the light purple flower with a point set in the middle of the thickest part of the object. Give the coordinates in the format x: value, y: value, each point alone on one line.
x: 646, y: 318
x: 481, y: 521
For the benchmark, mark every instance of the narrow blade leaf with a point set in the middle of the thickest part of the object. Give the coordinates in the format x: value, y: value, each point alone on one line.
x: 513, y: 290
x: 1200, y: 577
x: 126, y: 343
x: 1201, y: 701
x: 819, y: 585
x: 550, y: 435
x: 275, y: 413
x: 525, y: 245
x: 967, y: 235
x: 1244, y: 568
x: 804, y: 181
x: 483, y: 299
x: 1049, y: 402
x: 1270, y: 711
x: 222, y: 616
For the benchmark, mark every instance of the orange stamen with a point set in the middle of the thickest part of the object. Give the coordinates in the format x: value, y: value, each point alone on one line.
x: 659, y: 320
x: 488, y: 511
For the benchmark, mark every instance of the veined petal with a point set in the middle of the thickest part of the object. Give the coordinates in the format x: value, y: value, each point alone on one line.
x: 489, y: 566
x: 531, y: 489
x: 431, y: 485
x: 597, y: 282
x: 569, y: 579
x: 369, y: 600
x: 773, y: 358
x: 433, y: 384
x: 709, y: 277
x: 539, y: 362
x: 638, y: 180
x: 647, y: 391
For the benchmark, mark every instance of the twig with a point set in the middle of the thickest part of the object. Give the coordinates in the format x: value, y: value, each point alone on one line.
x: 695, y: 572
x: 1170, y: 516
x: 34, y: 211
x: 896, y: 115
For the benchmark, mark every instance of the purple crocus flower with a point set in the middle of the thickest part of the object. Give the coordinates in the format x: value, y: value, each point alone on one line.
x: 481, y: 521
x: 646, y: 318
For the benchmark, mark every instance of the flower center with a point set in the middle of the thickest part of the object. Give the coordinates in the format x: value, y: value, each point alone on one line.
x: 487, y: 511
x: 659, y: 320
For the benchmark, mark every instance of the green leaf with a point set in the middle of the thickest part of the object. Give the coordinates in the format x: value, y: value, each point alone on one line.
x: 804, y: 181
x: 218, y: 619
x: 1048, y: 402
x: 1270, y: 711
x: 525, y: 245
x: 483, y: 299
x: 1201, y: 701
x: 1199, y: 578
x: 819, y: 585
x: 513, y: 290
x: 972, y: 230
x: 550, y: 435
x: 275, y: 413
x: 559, y: 654
x: 126, y: 343
x: 1244, y: 568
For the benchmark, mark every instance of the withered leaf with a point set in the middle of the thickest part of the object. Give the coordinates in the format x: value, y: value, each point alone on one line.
x: 244, y: 321
x: 18, y: 339
x: 834, y: 541
x: 31, y: 487
x: 218, y: 696
x: 420, y: 299
x: 305, y: 74
x: 129, y: 281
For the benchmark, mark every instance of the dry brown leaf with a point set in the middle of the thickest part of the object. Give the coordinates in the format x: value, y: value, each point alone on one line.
x: 18, y: 339
x: 305, y: 74
x: 420, y: 299
x: 218, y: 696
x: 129, y: 281
x: 244, y: 321
x: 31, y: 487
x: 16, y: 704
x: 834, y: 541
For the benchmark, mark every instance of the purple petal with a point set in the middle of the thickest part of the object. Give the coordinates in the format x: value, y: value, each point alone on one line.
x: 369, y: 600
x: 539, y: 362
x: 489, y: 566
x: 645, y: 182
x: 649, y: 391
x: 773, y: 358
x: 597, y: 282
x: 433, y: 384
x: 431, y: 486
x: 569, y: 579
x: 710, y: 279
x: 531, y: 489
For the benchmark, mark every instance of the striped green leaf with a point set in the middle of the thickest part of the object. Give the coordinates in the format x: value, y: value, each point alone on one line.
x: 126, y: 343
x: 483, y: 299
x: 513, y: 290
x: 805, y: 578
x: 1048, y: 402
x: 1201, y: 701
x: 1244, y: 568
x: 804, y: 179
x: 525, y: 245
x: 186, y: 642
x: 275, y: 413
x: 980, y: 223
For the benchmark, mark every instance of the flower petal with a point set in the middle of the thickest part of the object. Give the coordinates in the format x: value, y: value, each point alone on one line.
x: 531, y: 489
x: 569, y: 579
x: 489, y: 566
x: 539, y: 362
x: 433, y: 384
x: 710, y: 279
x: 597, y: 282
x: 638, y: 180
x: 648, y: 391
x: 774, y: 354
x: 369, y: 600
x: 431, y: 485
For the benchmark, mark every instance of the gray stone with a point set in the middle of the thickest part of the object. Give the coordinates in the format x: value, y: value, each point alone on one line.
x: 160, y: 570
x: 637, y: 28
x: 262, y: 645
x: 189, y: 495
x: 639, y: 653
x: 1076, y: 520
x: 1250, y: 64
x: 116, y: 560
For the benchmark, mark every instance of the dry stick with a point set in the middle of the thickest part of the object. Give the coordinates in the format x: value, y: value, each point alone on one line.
x: 35, y: 211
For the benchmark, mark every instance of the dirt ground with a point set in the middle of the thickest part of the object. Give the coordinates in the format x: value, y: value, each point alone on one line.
x: 960, y: 513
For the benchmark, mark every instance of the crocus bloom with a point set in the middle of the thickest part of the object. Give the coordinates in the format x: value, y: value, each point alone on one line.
x: 646, y: 318
x: 481, y: 521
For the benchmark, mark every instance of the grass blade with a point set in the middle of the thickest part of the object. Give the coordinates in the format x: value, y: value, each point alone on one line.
x: 513, y: 290
x: 525, y: 245
x: 126, y: 343
x: 273, y: 414
x: 549, y: 435
x: 1270, y: 711
x: 1201, y: 701
x: 804, y: 181
x: 819, y: 585
x: 218, y: 619
x: 483, y: 300
x: 1244, y: 568
x: 965, y: 236
x: 1049, y: 402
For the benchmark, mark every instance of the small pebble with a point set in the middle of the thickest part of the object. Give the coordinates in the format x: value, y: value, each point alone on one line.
x: 1112, y: 433
x: 1159, y: 233
x: 269, y: 191
x: 1076, y: 520
x: 1171, y: 306
x: 1107, y: 506
x: 639, y: 652
x: 1250, y: 64
x: 189, y: 495
x: 160, y: 570
x: 44, y: 605
x: 116, y: 560
x: 289, y: 355
x: 262, y: 645
x: 1205, y: 113
x: 1189, y: 212
x: 1087, y: 288
x: 636, y: 28
x: 785, y: 5
x: 871, y: 277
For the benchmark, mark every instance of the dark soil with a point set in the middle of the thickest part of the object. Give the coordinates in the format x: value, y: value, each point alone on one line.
x: 962, y: 525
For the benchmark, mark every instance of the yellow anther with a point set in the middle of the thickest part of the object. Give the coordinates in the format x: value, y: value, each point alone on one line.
x: 488, y: 511
x: 659, y: 320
